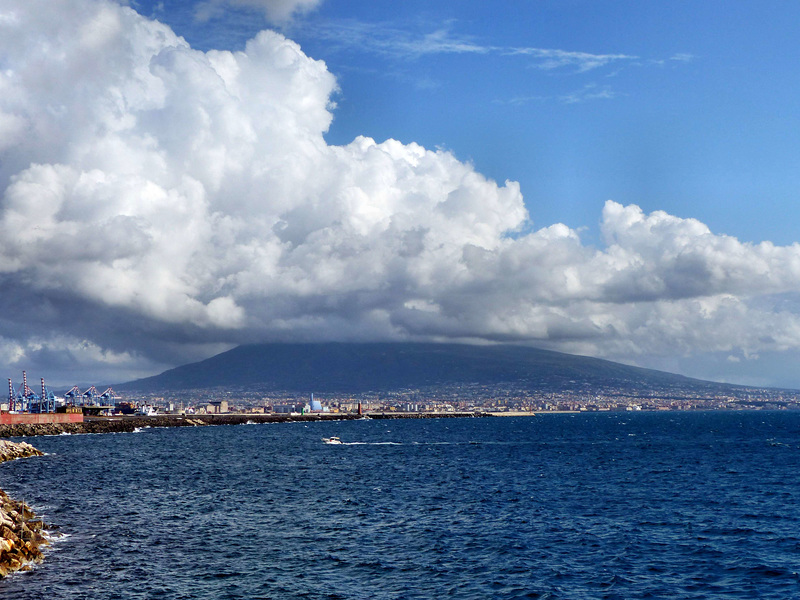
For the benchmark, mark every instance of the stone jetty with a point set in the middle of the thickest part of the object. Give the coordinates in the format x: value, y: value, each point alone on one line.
x: 20, y: 531
x: 122, y: 424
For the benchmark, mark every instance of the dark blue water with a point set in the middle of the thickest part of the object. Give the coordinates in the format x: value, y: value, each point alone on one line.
x: 651, y: 505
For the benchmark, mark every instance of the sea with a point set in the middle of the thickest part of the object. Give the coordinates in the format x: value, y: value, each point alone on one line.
x: 700, y: 505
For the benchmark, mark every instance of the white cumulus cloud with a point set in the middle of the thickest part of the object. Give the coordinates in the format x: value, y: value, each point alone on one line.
x: 158, y: 202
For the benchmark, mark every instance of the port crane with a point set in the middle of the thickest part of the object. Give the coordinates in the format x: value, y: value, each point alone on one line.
x: 108, y: 397
x: 24, y: 399
x: 72, y: 395
x: 91, y: 398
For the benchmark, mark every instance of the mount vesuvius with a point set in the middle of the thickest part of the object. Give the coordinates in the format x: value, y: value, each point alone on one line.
x: 364, y: 367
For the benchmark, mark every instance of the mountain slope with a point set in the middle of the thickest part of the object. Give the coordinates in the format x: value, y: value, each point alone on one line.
x: 354, y: 368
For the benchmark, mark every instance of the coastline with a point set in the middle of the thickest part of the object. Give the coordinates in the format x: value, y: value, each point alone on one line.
x: 130, y: 423
x: 127, y: 424
x: 20, y: 530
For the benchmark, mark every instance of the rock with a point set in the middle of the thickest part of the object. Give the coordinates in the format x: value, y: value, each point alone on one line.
x: 14, y: 450
x: 8, y: 534
x: 20, y: 539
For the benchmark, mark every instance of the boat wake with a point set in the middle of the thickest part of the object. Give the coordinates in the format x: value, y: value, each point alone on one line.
x: 372, y: 443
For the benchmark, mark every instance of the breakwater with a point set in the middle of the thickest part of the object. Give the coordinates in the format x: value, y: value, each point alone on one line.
x: 20, y: 531
x: 132, y: 423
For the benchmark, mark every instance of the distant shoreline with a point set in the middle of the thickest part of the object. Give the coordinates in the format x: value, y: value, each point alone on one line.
x: 122, y: 424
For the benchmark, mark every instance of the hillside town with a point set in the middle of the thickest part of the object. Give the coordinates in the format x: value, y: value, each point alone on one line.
x: 460, y: 398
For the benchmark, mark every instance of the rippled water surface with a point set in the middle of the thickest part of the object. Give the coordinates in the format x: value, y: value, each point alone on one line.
x: 650, y: 505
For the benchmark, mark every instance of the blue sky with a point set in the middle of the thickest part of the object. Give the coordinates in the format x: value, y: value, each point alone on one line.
x: 696, y: 115
x: 612, y: 179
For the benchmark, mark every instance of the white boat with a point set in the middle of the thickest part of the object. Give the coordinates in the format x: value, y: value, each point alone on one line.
x: 332, y: 440
x: 146, y: 410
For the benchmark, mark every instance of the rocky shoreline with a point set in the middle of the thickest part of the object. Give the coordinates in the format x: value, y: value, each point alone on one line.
x: 20, y: 531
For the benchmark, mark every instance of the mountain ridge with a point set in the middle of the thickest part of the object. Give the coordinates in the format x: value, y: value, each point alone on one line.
x: 339, y: 367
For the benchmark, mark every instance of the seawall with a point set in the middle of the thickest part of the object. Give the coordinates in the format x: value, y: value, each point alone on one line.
x: 40, y: 418
x: 20, y: 531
